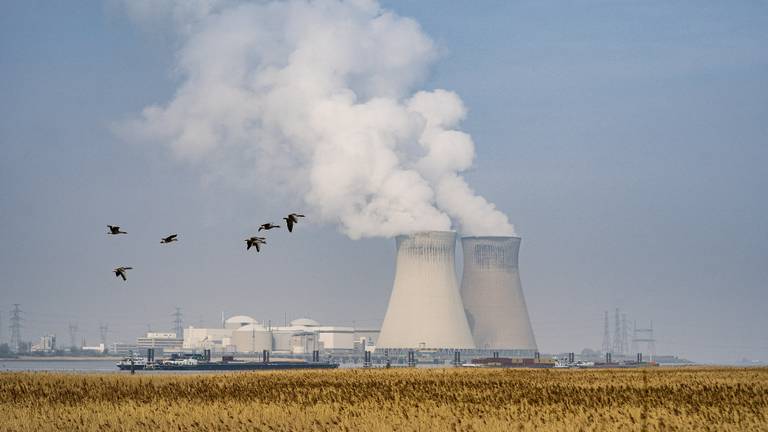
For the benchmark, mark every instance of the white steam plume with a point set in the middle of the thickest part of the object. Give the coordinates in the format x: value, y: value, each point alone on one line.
x: 316, y: 96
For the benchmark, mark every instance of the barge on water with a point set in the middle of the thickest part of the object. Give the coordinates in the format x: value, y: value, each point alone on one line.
x: 195, y: 362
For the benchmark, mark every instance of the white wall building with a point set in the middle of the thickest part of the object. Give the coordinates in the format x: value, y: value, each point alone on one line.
x: 165, y: 341
x: 244, y: 334
x: 214, y: 339
x: 47, y: 344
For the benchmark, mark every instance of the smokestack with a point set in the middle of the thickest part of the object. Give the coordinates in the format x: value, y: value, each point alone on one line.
x: 425, y: 309
x: 492, y: 294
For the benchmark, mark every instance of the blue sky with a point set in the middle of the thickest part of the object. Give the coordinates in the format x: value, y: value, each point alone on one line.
x: 625, y: 140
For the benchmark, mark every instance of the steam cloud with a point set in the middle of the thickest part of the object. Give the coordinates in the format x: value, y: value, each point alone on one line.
x: 318, y: 97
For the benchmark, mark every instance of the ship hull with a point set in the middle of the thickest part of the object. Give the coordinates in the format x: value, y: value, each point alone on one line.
x: 245, y: 366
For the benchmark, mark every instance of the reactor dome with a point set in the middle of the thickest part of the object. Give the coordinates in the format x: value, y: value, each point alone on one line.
x: 238, y: 321
x: 304, y: 322
x: 252, y: 328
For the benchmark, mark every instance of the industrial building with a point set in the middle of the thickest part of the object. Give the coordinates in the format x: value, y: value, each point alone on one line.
x: 160, y: 342
x: 244, y: 334
x: 428, y: 310
x: 47, y: 344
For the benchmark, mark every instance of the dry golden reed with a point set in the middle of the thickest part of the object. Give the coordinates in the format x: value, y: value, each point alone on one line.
x: 716, y: 399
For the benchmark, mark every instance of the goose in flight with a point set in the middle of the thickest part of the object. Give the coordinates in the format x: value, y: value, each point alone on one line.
x: 120, y: 272
x: 268, y: 226
x: 292, y: 219
x: 114, y: 230
x: 255, y: 242
x: 170, y: 238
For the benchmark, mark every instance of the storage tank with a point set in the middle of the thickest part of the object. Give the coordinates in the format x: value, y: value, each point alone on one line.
x: 492, y: 294
x: 252, y: 338
x: 425, y: 309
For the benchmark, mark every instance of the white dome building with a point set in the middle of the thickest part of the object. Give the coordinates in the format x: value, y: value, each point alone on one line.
x: 304, y: 322
x: 238, y: 321
x: 252, y: 338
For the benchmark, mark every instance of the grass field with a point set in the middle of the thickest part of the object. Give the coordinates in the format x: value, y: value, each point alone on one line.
x: 716, y: 399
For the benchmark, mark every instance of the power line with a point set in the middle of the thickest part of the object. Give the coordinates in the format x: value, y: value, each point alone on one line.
x: 618, y: 343
x: 103, y: 329
x: 16, y: 328
x: 178, y: 324
x: 606, y: 335
x: 73, y: 336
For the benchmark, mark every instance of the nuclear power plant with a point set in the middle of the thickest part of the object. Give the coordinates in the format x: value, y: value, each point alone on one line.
x: 428, y: 311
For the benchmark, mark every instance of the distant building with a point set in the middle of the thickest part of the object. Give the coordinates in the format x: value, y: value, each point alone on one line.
x: 47, y: 344
x: 371, y: 335
x: 100, y: 348
x: 123, y: 349
x: 244, y: 334
x: 160, y: 342
x: 214, y: 339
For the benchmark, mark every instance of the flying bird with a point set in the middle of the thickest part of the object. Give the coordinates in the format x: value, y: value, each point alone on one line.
x: 292, y: 219
x: 120, y: 272
x: 268, y: 226
x: 170, y: 238
x: 114, y: 229
x: 255, y: 242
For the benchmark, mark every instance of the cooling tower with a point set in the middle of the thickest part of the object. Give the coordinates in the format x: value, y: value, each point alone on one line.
x: 425, y: 309
x: 492, y: 294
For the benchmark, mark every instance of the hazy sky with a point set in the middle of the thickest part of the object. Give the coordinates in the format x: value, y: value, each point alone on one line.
x: 627, y: 142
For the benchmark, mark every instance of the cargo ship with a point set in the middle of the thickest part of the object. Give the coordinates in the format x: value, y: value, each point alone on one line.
x: 194, y: 362
x: 513, y: 362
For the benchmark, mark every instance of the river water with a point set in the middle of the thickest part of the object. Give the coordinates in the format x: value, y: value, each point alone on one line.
x: 58, y: 365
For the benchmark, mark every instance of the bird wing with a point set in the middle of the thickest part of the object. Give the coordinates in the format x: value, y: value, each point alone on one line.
x: 122, y: 274
x: 258, y: 249
x: 127, y: 268
x: 249, y: 243
x: 172, y: 236
x: 290, y: 224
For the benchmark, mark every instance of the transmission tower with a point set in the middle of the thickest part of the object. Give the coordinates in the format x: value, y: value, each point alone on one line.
x: 178, y: 324
x: 644, y: 336
x: 16, y: 328
x: 103, y: 329
x: 73, y: 336
x: 624, y: 335
x: 617, y: 342
x: 606, y: 335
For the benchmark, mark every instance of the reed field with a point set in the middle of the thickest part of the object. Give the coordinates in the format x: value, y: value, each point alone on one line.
x: 715, y: 399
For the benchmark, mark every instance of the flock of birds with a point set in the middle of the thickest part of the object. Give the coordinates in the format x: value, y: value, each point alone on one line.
x: 253, y: 241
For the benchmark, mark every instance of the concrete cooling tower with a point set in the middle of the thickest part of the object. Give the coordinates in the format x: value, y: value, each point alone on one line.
x: 425, y: 309
x: 492, y: 294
